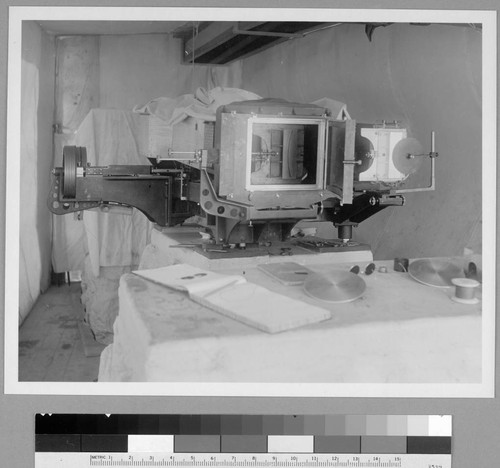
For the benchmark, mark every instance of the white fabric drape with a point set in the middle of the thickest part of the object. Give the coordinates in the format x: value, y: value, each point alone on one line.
x: 77, y: 92
x: 30, y: 265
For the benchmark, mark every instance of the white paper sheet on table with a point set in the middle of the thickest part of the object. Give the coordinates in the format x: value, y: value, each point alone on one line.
x: 233, y: 296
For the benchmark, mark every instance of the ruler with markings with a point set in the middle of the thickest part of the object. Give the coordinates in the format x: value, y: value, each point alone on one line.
x: 83, y: 460
x: 290, y: 441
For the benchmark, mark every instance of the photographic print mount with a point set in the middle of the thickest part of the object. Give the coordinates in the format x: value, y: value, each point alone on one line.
x: 466, y: 325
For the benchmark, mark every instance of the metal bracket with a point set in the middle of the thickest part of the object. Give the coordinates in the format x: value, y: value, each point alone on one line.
x: 349, y: 162
x: 391, y: 200
x: 216, y: 206
x: 198, y: 156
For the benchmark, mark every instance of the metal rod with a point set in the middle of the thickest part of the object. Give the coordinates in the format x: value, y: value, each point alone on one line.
x: 160, y: 158
x: 347, y: 161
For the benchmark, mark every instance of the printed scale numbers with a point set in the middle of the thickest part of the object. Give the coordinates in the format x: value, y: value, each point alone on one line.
x: 89, y: 460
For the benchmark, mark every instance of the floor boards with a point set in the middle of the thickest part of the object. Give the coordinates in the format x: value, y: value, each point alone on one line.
x: 51, y: 348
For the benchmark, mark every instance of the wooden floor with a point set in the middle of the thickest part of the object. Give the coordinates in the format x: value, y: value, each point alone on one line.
x: 55, y: 345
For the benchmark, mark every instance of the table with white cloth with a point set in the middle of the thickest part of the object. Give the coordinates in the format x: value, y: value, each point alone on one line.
x: 398, y: 331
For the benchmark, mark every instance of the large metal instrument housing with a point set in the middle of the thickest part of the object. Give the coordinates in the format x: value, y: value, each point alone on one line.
x: 266, y: 165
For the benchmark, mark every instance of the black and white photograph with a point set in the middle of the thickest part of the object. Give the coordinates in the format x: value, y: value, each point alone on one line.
x: 251, y: 202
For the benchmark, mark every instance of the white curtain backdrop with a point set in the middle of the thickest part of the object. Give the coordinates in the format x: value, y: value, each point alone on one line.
x: 30, y: 268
